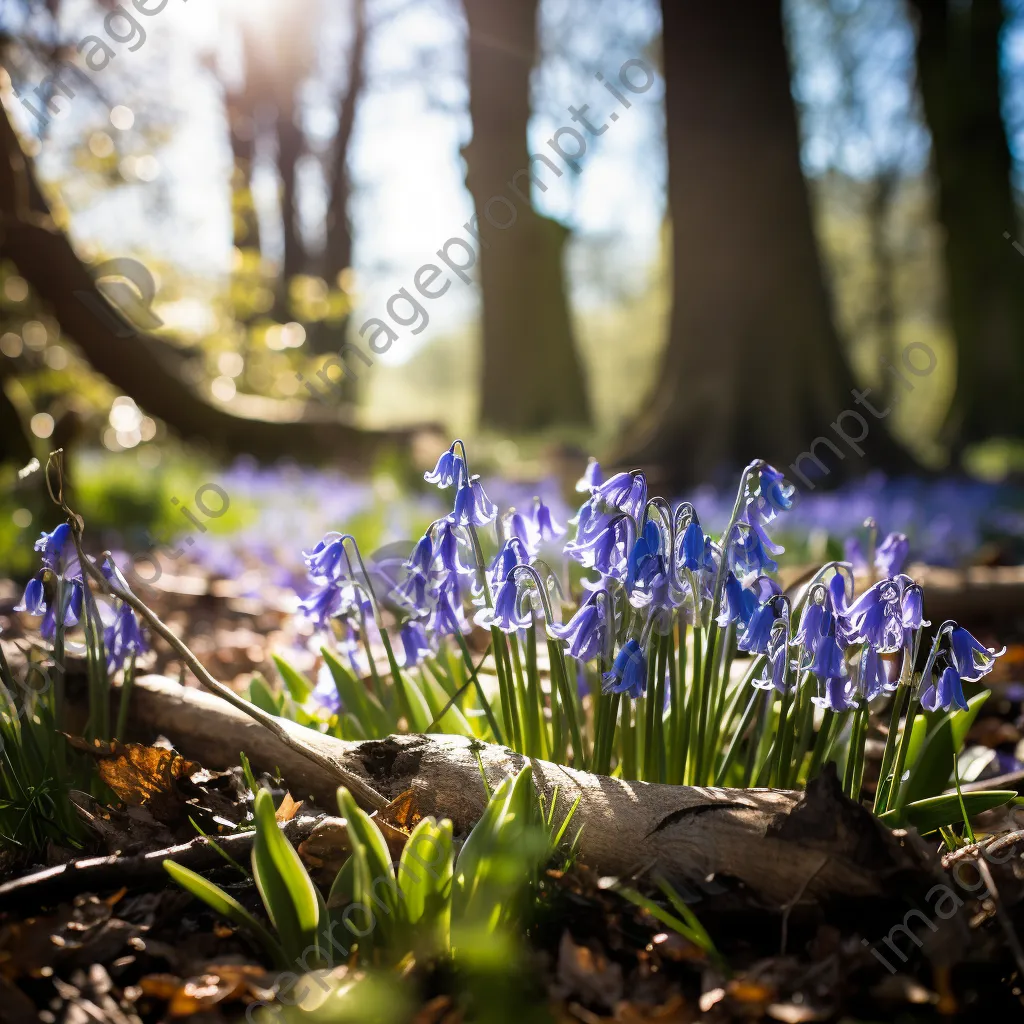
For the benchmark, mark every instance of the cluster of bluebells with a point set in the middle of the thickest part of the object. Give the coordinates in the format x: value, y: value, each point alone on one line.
x: 60, y: 579
x: 647, y: 566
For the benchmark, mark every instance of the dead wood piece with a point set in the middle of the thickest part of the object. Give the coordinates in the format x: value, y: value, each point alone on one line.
x: 95, y: 874
x: 768, y: 841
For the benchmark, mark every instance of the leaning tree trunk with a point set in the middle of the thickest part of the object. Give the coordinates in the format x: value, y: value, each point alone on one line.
x: 774, y: 846
x: 532, y: 376
x: 753, y: 365
x: 958, y: 55
x: 144, y: 367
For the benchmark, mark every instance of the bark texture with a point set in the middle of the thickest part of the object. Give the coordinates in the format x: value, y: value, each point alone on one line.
x: 532, y: 377
x: 958, y: 57
x: 779, y: 846
x: 753, y: 364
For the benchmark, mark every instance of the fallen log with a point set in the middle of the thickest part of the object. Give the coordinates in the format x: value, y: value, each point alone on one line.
x: 778, y: 846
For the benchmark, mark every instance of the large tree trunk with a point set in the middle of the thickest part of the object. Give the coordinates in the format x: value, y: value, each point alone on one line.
x: 144, y: 367
x: 753, y: 365
x: 958, y: 55
x: 776, y: 846
x: 532, y: 376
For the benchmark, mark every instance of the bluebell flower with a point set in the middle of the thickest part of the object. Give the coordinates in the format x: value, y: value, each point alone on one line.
x: 875, y: 618
x: 328, y: 560
x: 450, y: 469
x: 326, y: 601
x: 511, y: 554
x: 626, y: 492
x: 415, y: 645
x: 891, y: 554
x: 738, y: 603
x: 748, y: 552
x: 592, y: 477
x: 446, y: 617
x: 828, y: 658
x: 815, y: 623
x: 446, y: 549
x: 949, y: 692
x: 422, y: 555
x: 123, y: 638
x: 413, y: 593
x: 518, y: 527
x: 692, y: 554
x: 628, y: 673
x: 759, y: 626
x: 472, y: 506
x: 585, y: 632
x: 774, y: 488
x: 36, y: 601
x: 507, y: 613
x: 912, y: 608
x: 874, y: 675
x: 838, y: 695
x: 58, y: 551
x: 606, y: 549
x: 972, y: 659
x: 645, y: 557
x: 774, y: 674
x: 544, y: 526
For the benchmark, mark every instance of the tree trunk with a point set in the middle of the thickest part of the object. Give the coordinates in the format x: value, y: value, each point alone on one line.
x: 958, y: 55
x: 144, y: 367
x: 753, y: 365
x: 772, y: 845
x: 532, y: 377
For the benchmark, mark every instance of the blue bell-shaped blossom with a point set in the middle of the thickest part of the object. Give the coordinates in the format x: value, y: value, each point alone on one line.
x: 946, y: 694
x: 628, y: 673
x: 472, y: 506
x: 450, y: 470
x: 586, y: 631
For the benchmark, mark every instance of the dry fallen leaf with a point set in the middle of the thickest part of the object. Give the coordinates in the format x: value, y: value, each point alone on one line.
x: 140, y: 775
x: 288, y: 809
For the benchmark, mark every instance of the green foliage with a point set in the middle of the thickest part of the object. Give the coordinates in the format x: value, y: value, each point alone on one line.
x: 932, y: 813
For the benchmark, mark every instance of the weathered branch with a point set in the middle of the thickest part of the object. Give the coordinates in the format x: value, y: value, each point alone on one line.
x: 770, y: 842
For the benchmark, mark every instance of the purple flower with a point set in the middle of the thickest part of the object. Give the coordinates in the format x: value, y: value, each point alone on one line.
x: 738, y: 603
x: 692, y: 545
x: 892, y: 553
x: 511, y: 554
x: 838, y: 695
x: 874, y: 675
x: 876, y: 618
x: 759, y: 628
x: 328, y: 560
x: 645, y: 558
x: 446, y: 549
x: 628, y: 673
x: 59, y: 552
x: 626, y: 492
x: 948, y: 694
x: 606, y: 549
x: 36, y: 602
x: 592, y: 477
x: 450, y: 469
x: 585, y: 631
x: 413, y: 593
x: 545, y: 528
x: 422, y: 555
x: 774, y: 674
x: 123, y: 638
x: 774, y: 488
x: 326, y: 601
x: 748, y: 552
x: 472, y: 506
x: 971, y: 659
x: 912, y: 608
x: 447, y: 617
x: 415, y: 645
x: 506, y: 614
x: 828, y: 658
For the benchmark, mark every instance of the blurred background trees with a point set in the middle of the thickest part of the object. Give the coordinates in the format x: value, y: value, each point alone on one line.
x: 806, y: 189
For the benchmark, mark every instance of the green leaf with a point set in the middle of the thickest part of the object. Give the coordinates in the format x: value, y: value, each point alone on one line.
x: 933, y: 812
x: 357, y: 700
x: 453, y: 720
x: 930, y: 773
x: 217, y: 899
x: 263, y: 697
x: 286, y: 888
x: 298, y: 685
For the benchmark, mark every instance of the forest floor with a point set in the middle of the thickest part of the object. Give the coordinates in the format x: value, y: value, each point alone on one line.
x: 128, y: 948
